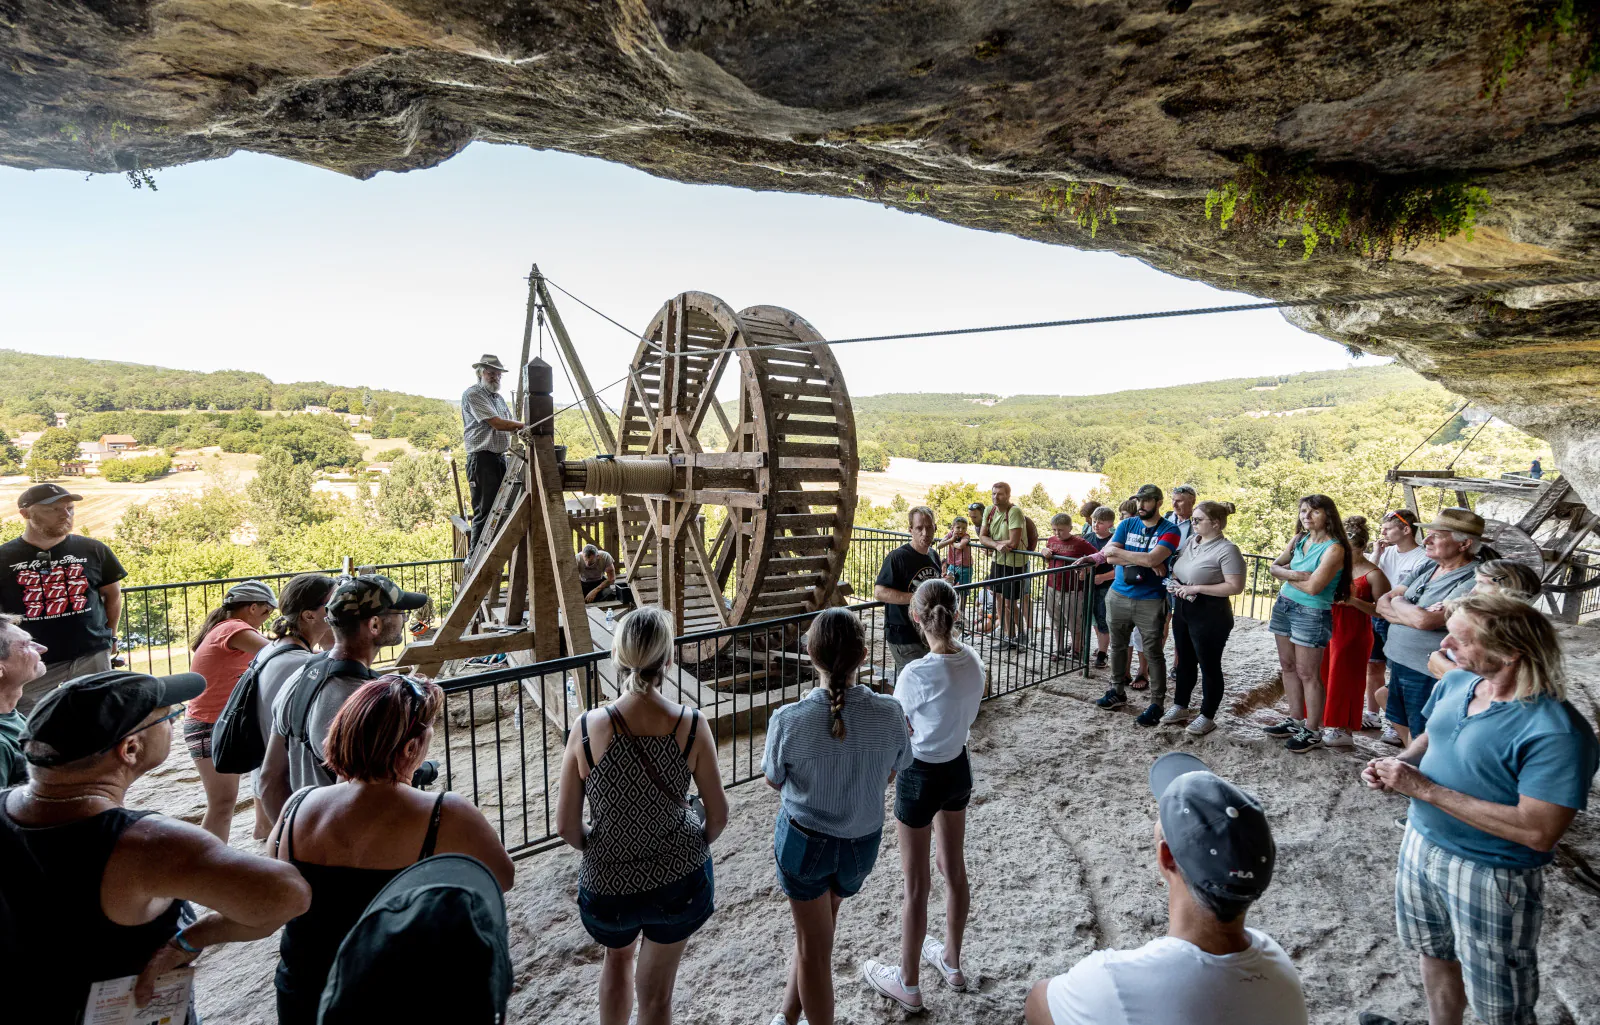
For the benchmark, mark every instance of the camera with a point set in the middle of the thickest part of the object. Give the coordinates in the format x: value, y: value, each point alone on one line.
x: 426, y: 775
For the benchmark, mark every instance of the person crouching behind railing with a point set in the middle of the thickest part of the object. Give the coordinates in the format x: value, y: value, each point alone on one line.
x: 829, y: 755
x: 940, y: 694
x: 350, y: 839
x: 646, y: 850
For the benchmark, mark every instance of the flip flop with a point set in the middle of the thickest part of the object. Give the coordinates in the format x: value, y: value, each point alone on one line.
x: 885, y: 981
x: 955, y: 978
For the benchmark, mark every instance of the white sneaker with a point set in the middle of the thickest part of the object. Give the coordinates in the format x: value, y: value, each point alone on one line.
x: 1176, y: 714
x: 1334, y: 737
x: 1200, y: 725
x: 1372, y: 721
x: 1390, y: 736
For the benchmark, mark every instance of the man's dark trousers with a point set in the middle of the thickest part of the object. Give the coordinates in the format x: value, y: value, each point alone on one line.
x: 485, y: 471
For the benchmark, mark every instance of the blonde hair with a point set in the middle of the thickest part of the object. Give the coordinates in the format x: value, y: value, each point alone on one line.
x: 642, y: 648
x: 1216, y: 512
x: 1512, y: 578
x: 1510, y: 629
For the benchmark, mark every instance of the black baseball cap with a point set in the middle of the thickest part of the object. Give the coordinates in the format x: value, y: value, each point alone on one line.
x: 446, y: 912
x: 1218, y: 833
x: 45, y: 494
x: 88, y: 715
x: 371, y: 594
x: 1149, y: 491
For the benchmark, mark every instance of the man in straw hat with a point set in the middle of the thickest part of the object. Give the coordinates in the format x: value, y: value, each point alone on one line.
x: 1416, y: 615
x: 486, y: 422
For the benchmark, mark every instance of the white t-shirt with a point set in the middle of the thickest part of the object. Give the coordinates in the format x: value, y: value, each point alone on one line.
x: 941, y: 695
x: 1398, y: 565
x: 1169, y: 981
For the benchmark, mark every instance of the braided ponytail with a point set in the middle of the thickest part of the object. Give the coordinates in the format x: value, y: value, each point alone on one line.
x: 837, y: 645
x: 933, y: 609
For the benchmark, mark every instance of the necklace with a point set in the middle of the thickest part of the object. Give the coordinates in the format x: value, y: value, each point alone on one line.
x: 34, y: 795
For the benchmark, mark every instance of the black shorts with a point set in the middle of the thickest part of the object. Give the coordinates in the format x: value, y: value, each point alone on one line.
x: 1006, y: 588
x: 927, y: 788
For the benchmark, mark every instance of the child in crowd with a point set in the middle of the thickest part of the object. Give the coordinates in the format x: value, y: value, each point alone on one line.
x: 1064, y: 592
x: 829, y: 755
x: 940, y: 693
x: 958, y: 558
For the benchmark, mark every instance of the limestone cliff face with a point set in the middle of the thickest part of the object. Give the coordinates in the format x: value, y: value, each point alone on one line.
x: 970, y: 112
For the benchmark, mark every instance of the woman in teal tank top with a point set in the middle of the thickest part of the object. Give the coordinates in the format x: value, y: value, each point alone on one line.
x: 1315, y: 570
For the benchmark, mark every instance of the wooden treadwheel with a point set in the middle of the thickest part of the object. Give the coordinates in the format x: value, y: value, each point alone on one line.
x: 784, y: 477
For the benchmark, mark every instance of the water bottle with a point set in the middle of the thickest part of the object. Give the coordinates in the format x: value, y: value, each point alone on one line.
x: 610, y: 617
x: 572, y: 690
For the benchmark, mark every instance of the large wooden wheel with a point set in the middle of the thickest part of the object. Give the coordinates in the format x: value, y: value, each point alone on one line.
x: 777, y: 482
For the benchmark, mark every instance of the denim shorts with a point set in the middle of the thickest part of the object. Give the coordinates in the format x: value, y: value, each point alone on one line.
x: 927, y: 788
x: 666, y: 914
x: 1380, y: 633
x: 963, y: 574
x: 810, y: 863
x: 1305, y: 626
x: 1100, y: 592
x: 1408, y: 692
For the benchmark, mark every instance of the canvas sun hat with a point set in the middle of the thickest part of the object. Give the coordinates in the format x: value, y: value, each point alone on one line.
x: 1218, y: 833
x: 491, y: 361
x: 1456, y: 518
x: 89, y: 715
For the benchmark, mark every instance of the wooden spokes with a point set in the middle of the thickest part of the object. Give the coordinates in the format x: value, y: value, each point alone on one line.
x: 776, y: 484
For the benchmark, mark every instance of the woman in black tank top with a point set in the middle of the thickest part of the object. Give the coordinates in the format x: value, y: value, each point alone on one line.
x: 350, y: 839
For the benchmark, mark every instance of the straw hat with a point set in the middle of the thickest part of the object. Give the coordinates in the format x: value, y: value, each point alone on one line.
x: 491, y: 361
x: 1458, y: 519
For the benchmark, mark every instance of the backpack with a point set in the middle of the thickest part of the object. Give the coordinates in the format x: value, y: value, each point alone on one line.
x: 308, y: 684
x: 239, y: 740
x: 1030, y: 533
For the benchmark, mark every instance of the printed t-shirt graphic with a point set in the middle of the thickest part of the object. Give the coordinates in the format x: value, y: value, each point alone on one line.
x: 56, y: 591
x: 1134, y: 536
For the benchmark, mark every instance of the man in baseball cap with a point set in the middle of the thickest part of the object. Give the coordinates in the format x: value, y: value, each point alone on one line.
x: 65, y: 588
x: 1215, y: 852
x: 367, y: 613
x: 70, y: 852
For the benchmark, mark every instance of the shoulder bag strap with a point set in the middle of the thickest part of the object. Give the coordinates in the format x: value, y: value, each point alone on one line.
x: 621, y: 725
x: 432, y: 839
x: 288, y: 814
x: 694, y: 727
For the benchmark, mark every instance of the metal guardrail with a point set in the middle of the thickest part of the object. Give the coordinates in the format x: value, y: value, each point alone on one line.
x: 159, y: 619
x: 499, y: 747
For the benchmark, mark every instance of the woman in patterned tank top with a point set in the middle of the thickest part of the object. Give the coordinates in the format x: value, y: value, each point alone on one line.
x: 646, y: 848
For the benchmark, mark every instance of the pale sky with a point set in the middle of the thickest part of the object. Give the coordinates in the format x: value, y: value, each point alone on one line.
x: 257, y: 263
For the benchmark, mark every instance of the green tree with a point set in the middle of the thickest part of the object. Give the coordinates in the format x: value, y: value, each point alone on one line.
x: 10, y: 458
x: 318, y: 441
x: 872, y: 456
x: 57, y: 445
x: 950, y: 499
x: 40, y: 468
x: 414, y: 491
x: 1038, y: 499
x: 280, y: 495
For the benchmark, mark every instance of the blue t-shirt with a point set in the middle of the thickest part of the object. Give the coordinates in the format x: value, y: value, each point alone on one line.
x: 1133, y: 535
x: 830, y: 785
x: 1540, y: 748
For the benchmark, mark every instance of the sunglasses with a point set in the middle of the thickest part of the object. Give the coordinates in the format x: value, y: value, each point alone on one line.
x: 175, y: 713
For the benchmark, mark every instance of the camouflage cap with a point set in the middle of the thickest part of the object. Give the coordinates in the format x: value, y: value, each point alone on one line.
x: 371, y: 595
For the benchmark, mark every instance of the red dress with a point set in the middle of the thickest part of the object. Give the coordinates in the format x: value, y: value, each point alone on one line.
x: 1344, y: 663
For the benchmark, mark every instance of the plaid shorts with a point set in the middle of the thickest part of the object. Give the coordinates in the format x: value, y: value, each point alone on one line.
x: 1487, y: 918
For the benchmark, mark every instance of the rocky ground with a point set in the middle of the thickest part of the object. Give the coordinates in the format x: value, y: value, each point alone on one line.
x: 1059, y: 849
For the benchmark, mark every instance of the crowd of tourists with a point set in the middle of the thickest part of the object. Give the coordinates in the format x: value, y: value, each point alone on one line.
x: 1426, y: 637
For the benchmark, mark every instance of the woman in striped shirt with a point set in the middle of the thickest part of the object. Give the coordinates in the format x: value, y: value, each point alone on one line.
x: 830, y: 755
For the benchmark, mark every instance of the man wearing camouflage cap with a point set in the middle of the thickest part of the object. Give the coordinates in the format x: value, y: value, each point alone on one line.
x: 368, y: 614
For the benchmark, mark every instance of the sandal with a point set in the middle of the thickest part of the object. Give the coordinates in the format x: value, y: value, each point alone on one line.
x: 955, y: 978
x: 1140, y: 683
x: 885, y: 980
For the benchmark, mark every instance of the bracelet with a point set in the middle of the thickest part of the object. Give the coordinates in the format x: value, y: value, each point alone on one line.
x: 183, y: 944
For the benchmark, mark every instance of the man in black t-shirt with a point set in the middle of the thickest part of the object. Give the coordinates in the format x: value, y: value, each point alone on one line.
x: 66, y: 587
x: 904, y: 569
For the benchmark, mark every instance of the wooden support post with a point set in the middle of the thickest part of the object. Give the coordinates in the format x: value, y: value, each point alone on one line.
x: 552, y: 571
x: 580, y: 379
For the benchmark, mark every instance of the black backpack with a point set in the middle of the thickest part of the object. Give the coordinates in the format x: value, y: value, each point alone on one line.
x: 239, y: 739
x: 308, y: 684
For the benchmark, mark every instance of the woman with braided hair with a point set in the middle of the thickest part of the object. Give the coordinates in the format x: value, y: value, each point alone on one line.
x: 646, y: 848
x: 829, y: 755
